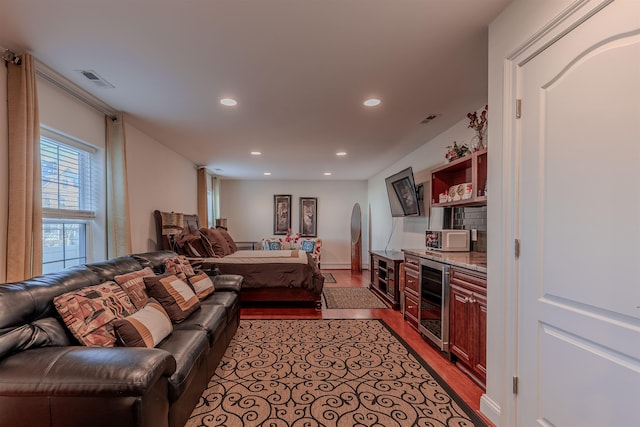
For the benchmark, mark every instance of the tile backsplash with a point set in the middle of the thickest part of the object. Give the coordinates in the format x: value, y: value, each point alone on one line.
x: 467, y: 218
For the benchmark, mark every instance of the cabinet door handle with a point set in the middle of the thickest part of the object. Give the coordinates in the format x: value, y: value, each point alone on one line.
x: 411, y: 306
x: 472, y: 301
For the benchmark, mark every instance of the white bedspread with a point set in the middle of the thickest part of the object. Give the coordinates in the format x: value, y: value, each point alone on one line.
x: 262, y: 257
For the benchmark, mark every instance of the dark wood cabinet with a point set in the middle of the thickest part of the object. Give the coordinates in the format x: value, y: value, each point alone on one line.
x: 468, y: 322
x: 412, y: 290
x: 385, y: 270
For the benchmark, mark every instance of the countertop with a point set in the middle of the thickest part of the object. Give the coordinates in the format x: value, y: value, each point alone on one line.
x: 470, y: 260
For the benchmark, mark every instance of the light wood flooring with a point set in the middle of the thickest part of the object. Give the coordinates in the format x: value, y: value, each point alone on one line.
x: 464, y: 386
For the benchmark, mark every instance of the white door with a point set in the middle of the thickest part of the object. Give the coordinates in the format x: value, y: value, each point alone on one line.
x: 578, y: 349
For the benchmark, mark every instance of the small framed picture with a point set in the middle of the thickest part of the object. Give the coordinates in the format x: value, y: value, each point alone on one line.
x: 281, y: 213
x: 308, y: 216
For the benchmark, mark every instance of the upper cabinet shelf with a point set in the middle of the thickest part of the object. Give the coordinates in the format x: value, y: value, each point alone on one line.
x: 468, y: 169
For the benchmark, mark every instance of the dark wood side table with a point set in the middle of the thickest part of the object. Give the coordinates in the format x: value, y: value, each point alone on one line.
x: 385, y: 273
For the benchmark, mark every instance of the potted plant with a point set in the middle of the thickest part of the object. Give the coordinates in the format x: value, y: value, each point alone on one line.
x: 456, y: 151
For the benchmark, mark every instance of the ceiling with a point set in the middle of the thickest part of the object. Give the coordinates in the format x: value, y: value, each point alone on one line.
x: 299, y: 70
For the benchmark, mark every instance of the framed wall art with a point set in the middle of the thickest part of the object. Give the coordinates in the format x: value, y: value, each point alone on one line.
x: 281, y: 213
x: 308, y: 216
x: 407, y: 196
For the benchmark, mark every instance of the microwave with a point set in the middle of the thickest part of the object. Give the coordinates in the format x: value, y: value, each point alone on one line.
x: 448, y: 240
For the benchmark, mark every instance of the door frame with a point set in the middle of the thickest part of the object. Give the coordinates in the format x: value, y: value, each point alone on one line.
x: 570, y: 18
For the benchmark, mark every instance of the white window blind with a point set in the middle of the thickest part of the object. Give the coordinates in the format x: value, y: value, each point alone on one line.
x: 68, y: 170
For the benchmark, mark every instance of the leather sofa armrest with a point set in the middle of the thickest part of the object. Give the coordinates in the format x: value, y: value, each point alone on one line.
x: 228, y: 282
x: 84, y: 371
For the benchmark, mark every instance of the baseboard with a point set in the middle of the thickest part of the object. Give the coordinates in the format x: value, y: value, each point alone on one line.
x: 490, y: 409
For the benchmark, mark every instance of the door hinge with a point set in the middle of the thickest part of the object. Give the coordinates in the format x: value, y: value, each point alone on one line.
x: 516, y: 248
x: 515, y: 385
x: 518, y: 108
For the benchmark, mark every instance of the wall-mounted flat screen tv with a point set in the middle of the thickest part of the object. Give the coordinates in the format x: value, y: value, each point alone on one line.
x: 403, y: 197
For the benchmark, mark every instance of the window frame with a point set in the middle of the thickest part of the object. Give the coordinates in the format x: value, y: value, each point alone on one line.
x: 86, y: 217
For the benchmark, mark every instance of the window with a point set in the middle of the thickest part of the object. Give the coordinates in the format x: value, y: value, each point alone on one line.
x: 68, y: 200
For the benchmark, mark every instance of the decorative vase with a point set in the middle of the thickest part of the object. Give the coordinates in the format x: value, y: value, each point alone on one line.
x: 480, y: 139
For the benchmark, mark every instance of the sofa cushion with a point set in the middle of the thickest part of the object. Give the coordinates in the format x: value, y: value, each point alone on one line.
x: 154, y: 260
x: 40, y: 333
x: 144, y: 328
x: 210, y: 318
x: 175, y: 296
x: 189, y: 349
x: 133, y: 285
x: 107, y: 270
x: 228, y: 300
x: 89, y: 311
x: 202, y: 285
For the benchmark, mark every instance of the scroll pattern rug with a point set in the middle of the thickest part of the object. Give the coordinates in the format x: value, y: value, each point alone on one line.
x: 335, y: 297
x: 325, y: 373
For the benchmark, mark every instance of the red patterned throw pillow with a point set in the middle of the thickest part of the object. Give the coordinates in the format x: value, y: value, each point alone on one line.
x: 88, y: 312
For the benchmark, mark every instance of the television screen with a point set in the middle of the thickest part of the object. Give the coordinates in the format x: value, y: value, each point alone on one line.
x: 403, y: 198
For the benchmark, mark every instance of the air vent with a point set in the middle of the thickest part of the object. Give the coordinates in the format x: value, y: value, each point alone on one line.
x: 428, y: 119
x: 96, y: 79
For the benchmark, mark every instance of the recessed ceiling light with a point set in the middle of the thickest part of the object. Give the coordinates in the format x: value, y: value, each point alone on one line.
x: 255, y: 153
x: 229, y: 102
x: 372, y: 102
x: 327, y: 174
x: 341, y: 153
x: 267, y: 173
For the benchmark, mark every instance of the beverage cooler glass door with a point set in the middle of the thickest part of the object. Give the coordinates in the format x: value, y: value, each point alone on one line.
x: 434, y: 302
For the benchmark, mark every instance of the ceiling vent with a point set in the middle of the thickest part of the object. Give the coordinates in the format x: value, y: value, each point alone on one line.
x: 428, y: 119
x: 96, y: 79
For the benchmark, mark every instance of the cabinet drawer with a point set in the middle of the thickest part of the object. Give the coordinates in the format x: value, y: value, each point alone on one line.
x: 411, y: 262
x: 411, y: 307
x: 412, y: 281
x: 470, y: 279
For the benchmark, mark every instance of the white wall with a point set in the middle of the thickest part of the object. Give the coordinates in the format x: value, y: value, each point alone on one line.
x: 4, y: 173
x: 158, y: 178
x: 513, y: 27
x: 248, y: 206
x: 408, y: 233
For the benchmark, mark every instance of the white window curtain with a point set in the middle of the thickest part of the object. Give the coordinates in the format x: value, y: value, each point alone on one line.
x: 118, y: 221
x: 24, y: 222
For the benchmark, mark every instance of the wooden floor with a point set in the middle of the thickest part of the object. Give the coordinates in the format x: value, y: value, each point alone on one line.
x: 464, y: 386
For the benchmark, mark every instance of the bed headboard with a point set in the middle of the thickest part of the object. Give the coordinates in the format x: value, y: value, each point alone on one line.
x: 191, y: 224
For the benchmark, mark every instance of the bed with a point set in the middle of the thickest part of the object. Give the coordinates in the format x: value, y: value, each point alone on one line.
x: 274, y: 276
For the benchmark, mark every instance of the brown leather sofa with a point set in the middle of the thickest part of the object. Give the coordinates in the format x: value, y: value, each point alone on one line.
x: 48, y: 379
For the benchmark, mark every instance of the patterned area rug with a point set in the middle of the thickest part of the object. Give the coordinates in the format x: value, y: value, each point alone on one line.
x: 326, y: 373
x: 328, y: 278
x: 335, y: 297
